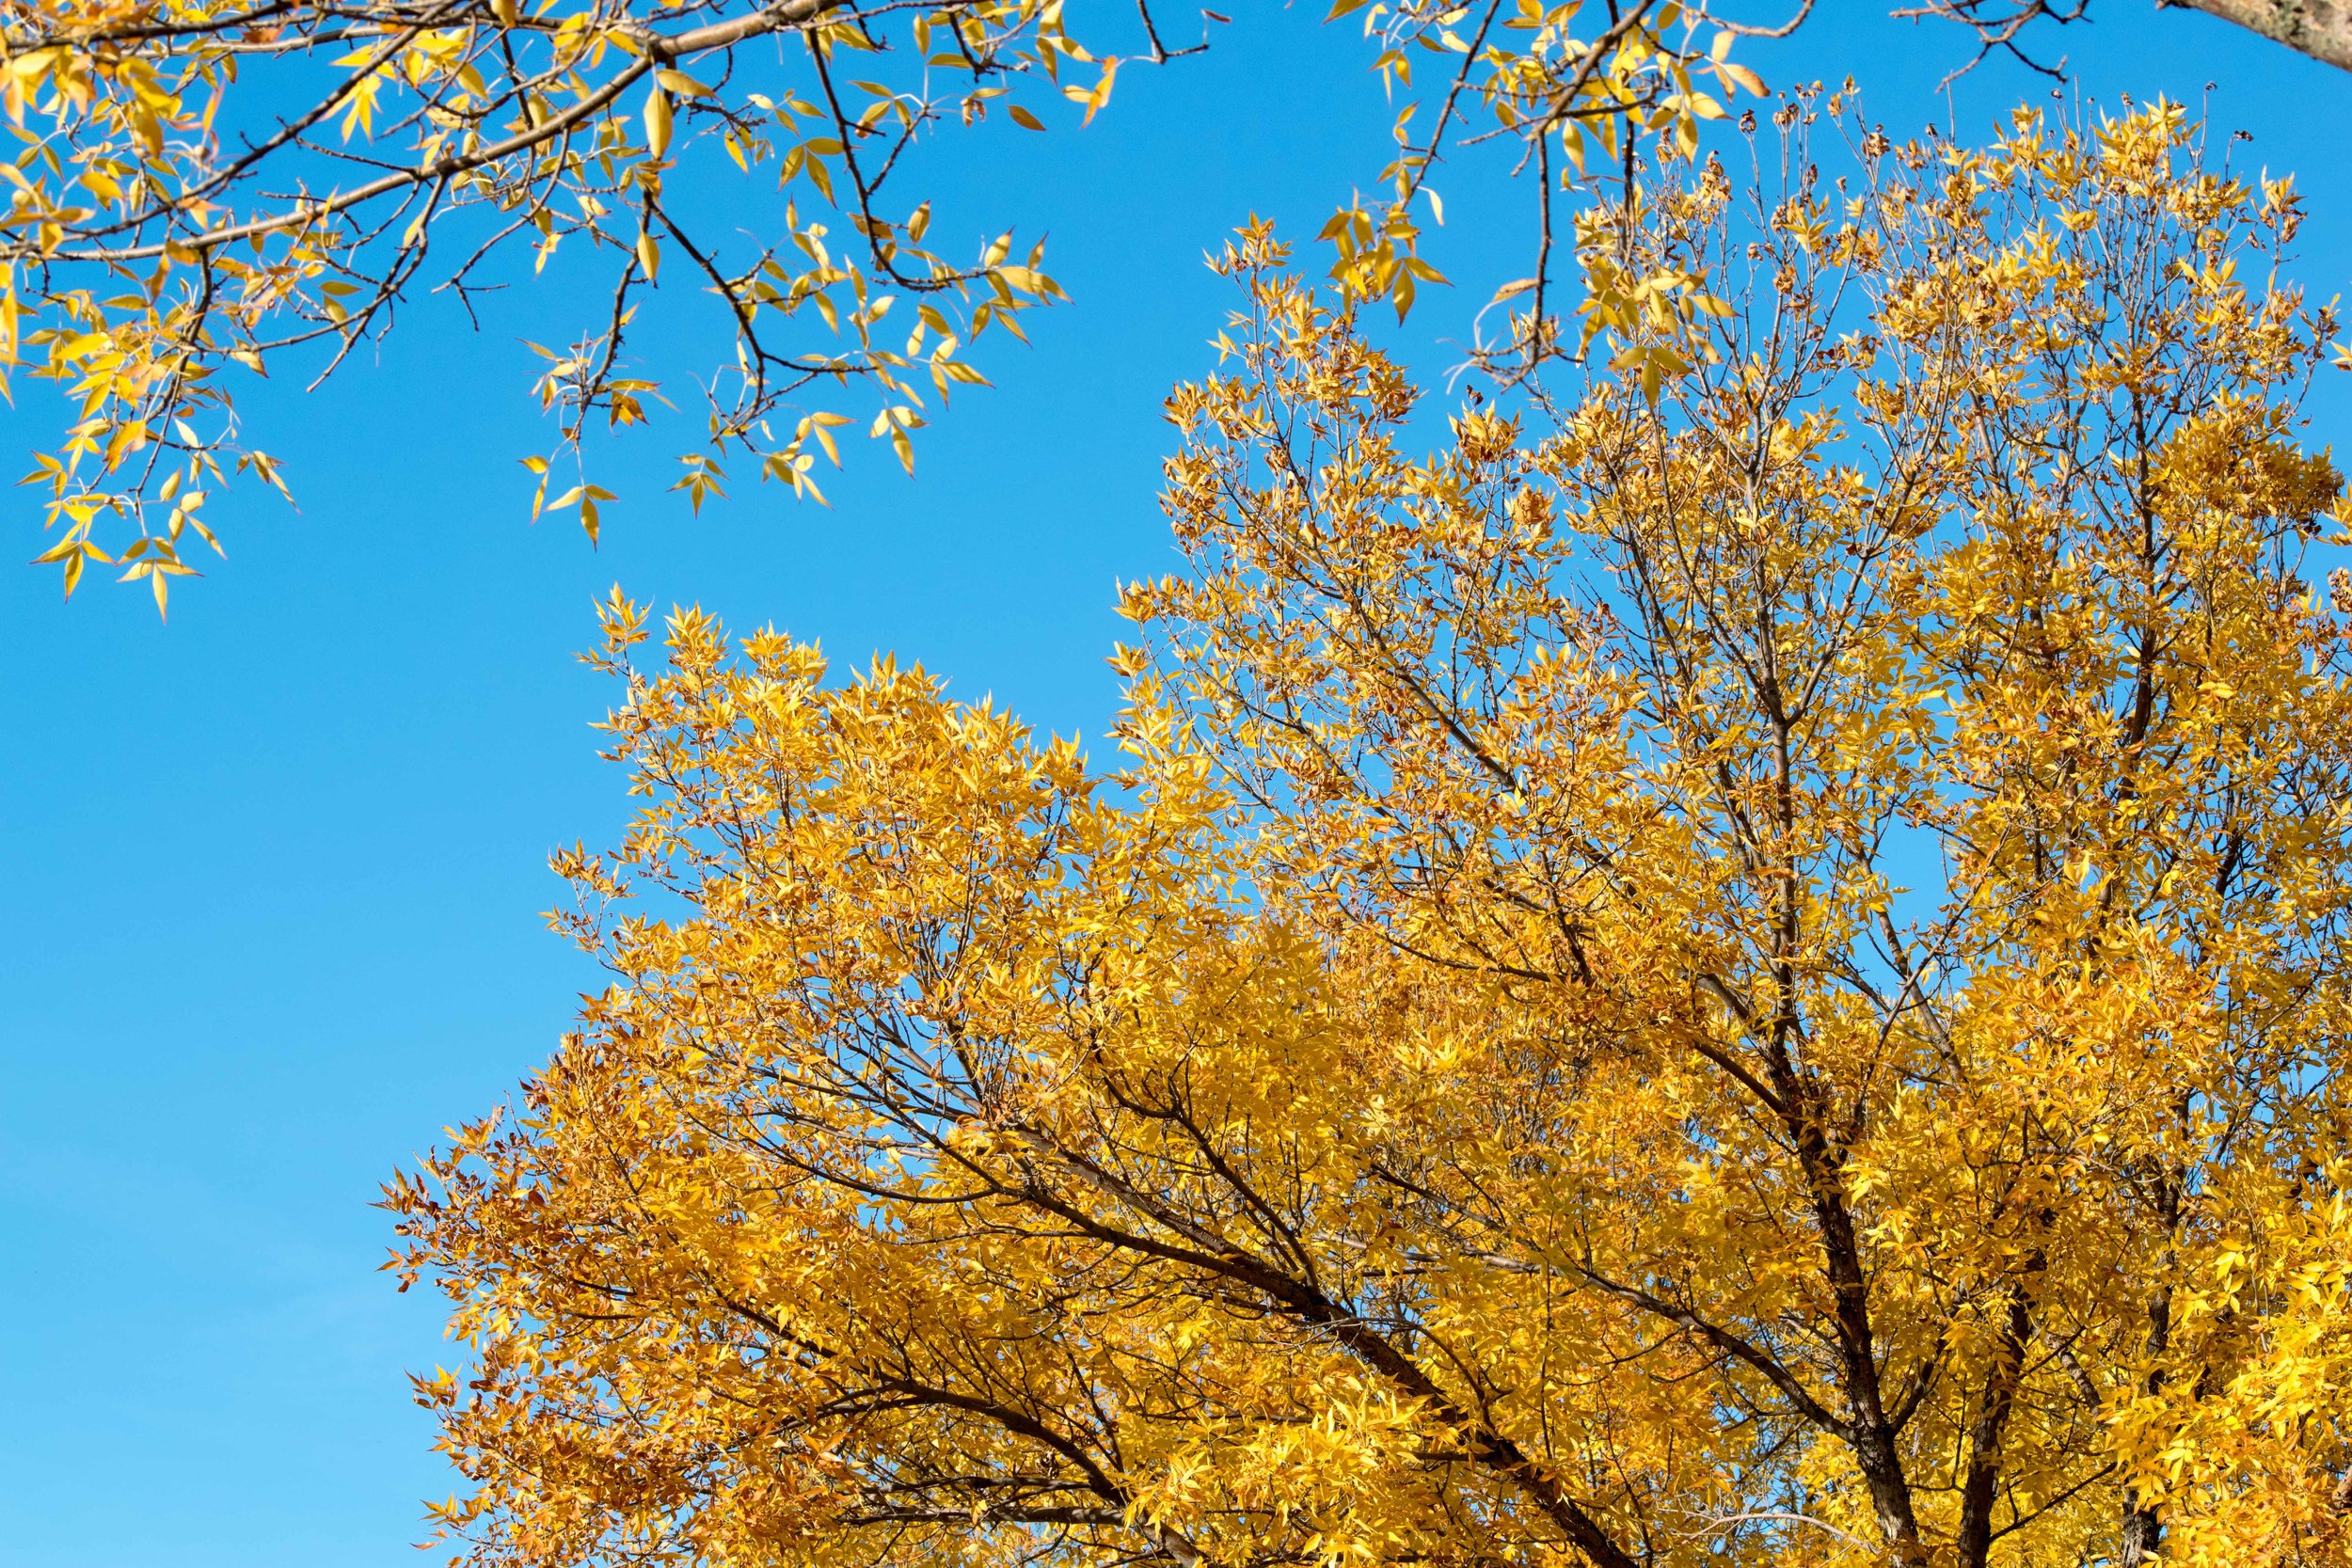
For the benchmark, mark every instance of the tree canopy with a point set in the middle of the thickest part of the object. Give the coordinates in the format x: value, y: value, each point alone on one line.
x: 1744, y: 964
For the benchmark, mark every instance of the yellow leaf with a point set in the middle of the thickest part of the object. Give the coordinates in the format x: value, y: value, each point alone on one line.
x: 656, y: 120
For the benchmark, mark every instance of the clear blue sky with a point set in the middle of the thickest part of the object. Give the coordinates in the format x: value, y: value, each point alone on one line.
x: 274, y: 871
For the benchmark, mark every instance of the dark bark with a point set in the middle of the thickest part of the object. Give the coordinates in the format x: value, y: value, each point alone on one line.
x: 2143, y: 1527
x: 1870, y: 1430
x: 2143, y: 1533
x: 1980, y: 1486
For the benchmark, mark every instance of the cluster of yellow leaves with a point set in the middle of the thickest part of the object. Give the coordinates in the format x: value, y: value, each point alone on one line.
x: 1746, y: 967
x: 1582, y: 81
x: 202, y: 184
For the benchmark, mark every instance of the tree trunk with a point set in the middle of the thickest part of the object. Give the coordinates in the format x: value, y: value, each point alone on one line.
x: 2320, y: 28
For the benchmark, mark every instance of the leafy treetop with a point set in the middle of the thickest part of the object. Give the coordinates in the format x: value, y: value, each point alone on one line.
x: 1745, y: 964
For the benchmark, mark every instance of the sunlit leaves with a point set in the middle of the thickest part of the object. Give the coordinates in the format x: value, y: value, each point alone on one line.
x: 1552, y: 76
x: 1740, y: 958
x: 176, y: 221
x: 177, y: 217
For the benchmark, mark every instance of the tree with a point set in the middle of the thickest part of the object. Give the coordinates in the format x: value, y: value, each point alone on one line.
x: 206, y: 190
x: 1745, y: 964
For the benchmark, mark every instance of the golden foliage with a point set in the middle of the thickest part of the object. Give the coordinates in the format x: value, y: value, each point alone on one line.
x: 206, y: 184
x: 209, y: 184
x: 1745, y: 965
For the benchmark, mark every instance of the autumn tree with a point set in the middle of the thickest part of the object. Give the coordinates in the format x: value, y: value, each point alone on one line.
x: 206, y: 189
x: 1743, y: 964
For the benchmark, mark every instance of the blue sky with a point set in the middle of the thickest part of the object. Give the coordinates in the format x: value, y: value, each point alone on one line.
x: 270, y: 917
